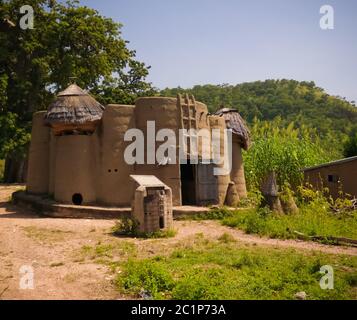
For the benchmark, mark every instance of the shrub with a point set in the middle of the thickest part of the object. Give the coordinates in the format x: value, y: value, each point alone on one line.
x: 130, y: 227
x: 126, y: 226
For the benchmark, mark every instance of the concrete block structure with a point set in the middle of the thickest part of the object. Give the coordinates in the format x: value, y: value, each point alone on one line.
x: 152, y: 204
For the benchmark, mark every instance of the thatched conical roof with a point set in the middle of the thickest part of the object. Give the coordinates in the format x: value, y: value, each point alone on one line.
x: 235, y: 122
x: 74, y: 109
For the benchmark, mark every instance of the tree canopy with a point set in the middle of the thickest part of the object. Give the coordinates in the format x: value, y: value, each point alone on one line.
x: 301, y: 102
x: 68, y: 40
x: 350, y: 146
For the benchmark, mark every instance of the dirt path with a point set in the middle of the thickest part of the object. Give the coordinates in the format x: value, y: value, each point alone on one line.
x: 51, y: 254
x: 50, y: 247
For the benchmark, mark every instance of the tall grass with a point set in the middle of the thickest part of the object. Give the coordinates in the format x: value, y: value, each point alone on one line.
x: 312, y: 219
x: 283, y: 150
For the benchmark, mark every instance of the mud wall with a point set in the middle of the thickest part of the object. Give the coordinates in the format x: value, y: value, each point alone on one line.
x: 114, y: 186
x: 217, y: 122
x: 166, y: 115
x: 202, y: 119
x: 343, y: 176
x: 237, y: 173
x: 38, y: 173
x: 52, y: 163
x: 75, y: 168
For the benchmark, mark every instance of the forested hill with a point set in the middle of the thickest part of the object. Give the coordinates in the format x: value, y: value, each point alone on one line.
x: 301, y: 102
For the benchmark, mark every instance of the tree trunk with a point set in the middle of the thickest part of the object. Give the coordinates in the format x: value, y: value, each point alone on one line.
x: 15, y: 169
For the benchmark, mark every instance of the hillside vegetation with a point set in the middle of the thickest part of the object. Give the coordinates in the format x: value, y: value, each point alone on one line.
x: 302, y: 102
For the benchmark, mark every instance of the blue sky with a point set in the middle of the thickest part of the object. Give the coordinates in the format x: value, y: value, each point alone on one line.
x: 188, y: 42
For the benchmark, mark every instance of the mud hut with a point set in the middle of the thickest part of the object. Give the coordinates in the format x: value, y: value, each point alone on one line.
x: 240, y: 139
x: 77, y: 151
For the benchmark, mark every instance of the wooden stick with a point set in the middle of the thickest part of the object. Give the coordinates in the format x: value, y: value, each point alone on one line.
x: 336, y: 240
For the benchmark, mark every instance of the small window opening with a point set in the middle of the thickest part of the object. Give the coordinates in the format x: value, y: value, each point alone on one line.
x: 332, y: 178
x: 161, y: 222
x: 77, y: 199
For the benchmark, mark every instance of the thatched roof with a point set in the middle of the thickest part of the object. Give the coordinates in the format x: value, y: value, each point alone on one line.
x: 235, y: 122
x: 269, y: 186
x: 73, y: 106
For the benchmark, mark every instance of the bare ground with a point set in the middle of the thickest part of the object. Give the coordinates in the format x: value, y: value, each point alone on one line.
x: 52, y: 248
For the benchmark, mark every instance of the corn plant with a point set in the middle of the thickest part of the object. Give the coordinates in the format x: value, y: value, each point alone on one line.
x: 285, y: 150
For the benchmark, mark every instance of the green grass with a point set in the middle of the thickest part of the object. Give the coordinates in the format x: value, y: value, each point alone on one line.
x: 168, y: 233
x: 212, y: 214
x: 104, y: 252
x: 311, y: 220
x: 223, y: 270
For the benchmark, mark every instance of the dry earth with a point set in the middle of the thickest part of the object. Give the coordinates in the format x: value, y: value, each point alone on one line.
x: 52, y: 247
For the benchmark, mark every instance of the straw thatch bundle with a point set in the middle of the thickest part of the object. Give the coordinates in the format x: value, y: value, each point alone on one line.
x: 269, y: 189
x: 74, y: 110
x: 235, y: 122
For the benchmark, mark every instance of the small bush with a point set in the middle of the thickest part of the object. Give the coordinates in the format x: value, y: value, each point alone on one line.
x: 126, y: 227
x: 130, y: 227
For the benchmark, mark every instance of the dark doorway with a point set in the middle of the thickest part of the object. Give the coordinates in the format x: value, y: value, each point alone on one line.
x: 161, y: 222
x: 77, y: 199
x: 188, y: 184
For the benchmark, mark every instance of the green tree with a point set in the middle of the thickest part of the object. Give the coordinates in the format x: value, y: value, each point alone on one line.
x: 302, y: 102
x: 350, y: 146
x: 68, y: 40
